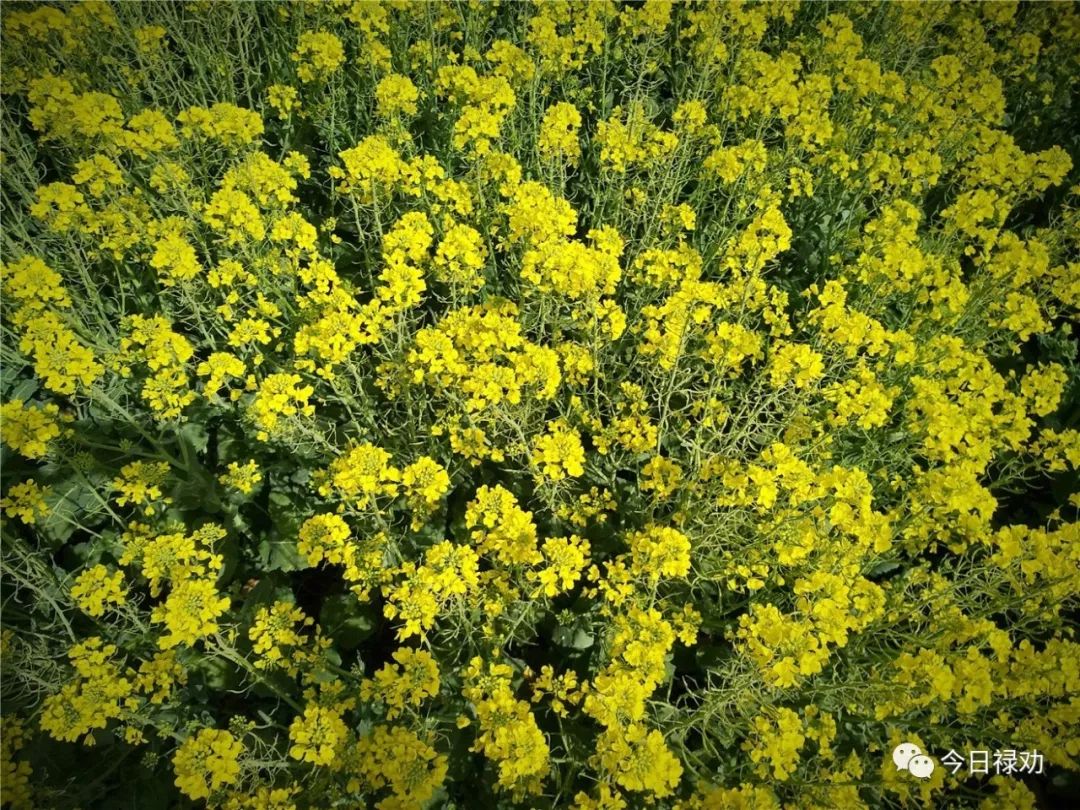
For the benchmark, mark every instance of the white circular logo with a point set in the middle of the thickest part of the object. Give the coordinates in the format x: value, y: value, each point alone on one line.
x: 903, y: 753
x: 921, y: 766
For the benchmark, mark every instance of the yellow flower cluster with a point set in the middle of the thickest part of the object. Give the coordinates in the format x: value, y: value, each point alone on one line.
x: 317, y: 55
x: 190, y: 612
x: 628, y: 139
x: 559, y: 133
x: 29, y: 430
x: 61, y: 361
x: 94, y: 697
x: 96, y: 588
x: 15, y: 789
x: 140, y: 483
x: 244, y: 478
x: 317, y: 735
x: 559, y: 452
x: 501, y: 528
x: 190, y: 566
x: 661, y: 476
x: 207, y: 762
x: 565, y: 559
x: 405, y: 684
x: 324, y: 537
x: 370, y: 168
x: 447, y: 574
x: 359, y: 475
x: 34, y: 286
x: 636, y: 757
x: 426, y: 483
x: 508, y: 732
x: 394, y: 757
x: 154, y: 342
x: 26, y: 501
x: 280, y: 401
x: 460, y: 256
x: 480, y: 353
x: 275, y: 638
x: 232, y: 126
x: 396, y: 95
x: 659, y: 551
x: 777, y: 742
x: 485, y: 103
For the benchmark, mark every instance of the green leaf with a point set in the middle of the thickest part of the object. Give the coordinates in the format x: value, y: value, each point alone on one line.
x: 347, y: 621
x: 197, y: 494
x: 576, y: 638
x: 278, y: 551
x: 882, y: 567
x: 284, y: 515
x: 74, y: 503
x: 194, y: 436
x: 281, y: 555
x: 218, y: 674
x: 22, y: 390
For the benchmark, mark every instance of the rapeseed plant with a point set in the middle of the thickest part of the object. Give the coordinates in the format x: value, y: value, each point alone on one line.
x: 594, y: 405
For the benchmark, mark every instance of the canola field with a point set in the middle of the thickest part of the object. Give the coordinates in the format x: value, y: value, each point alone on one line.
x: 553, y: 405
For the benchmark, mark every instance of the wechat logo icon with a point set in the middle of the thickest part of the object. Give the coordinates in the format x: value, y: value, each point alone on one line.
x: 909, y: 757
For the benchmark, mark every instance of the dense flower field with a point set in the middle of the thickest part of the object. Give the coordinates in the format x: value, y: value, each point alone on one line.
x: 481, y: 405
